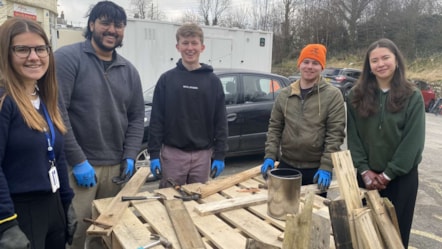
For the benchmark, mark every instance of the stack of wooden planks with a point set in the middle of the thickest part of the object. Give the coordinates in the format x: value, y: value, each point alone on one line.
x: 233, y: 216
x: 356, y: 226
x: 232, y: 213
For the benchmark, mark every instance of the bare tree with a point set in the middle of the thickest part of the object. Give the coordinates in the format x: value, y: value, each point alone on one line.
x: 212, y: 10
x: 190, y: 16
x: 205, y: 6
x: 350, y: 11
x: 146, y: 9
x: 140, y: 8
x: 238, y: 17
x: 153, y: 13
x: 261, y: 15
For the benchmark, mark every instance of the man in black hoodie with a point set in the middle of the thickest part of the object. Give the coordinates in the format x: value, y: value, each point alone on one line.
x: 188, y: 124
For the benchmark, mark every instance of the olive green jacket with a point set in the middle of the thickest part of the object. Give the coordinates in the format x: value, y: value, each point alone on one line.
x: 307, y: 131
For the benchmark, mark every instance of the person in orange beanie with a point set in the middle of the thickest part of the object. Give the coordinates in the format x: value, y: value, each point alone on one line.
x: 307, y: 123
x: 317, y: 52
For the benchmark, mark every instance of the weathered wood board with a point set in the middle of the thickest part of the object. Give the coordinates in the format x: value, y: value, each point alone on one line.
x: 221, y: 230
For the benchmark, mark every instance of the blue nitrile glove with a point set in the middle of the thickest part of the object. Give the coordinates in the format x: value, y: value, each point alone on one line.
x: 84, y: 174
x: 266, y: 166
x: 155, y: 167
x: 127, y: 170
x: 217, y: 168
x: 130, y: 166
x: 323, y: 178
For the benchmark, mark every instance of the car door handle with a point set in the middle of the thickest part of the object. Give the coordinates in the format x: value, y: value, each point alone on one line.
x: 231, y: 117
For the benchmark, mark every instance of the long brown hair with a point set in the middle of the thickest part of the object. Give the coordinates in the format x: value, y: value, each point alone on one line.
x: 13, y: 85
x: 366, y: 91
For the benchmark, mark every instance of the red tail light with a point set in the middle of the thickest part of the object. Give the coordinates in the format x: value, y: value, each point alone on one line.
x: 340, y: 78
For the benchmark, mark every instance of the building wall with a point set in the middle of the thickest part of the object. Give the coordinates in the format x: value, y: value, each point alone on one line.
x: 43, y: 11
x: 68, y: 36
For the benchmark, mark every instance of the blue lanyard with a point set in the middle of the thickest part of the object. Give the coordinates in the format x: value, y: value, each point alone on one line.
x: 50, y: 139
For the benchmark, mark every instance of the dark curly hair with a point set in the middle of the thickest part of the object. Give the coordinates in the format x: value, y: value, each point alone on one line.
x: 107, y: 9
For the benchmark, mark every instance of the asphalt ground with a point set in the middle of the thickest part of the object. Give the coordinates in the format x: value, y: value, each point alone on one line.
x: 426, y: 231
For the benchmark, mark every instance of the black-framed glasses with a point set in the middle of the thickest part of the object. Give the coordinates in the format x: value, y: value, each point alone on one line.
x: 24, y: 51
x: 107, y: 23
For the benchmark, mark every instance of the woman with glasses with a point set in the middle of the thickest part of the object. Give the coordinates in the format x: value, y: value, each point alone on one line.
x: 35, y: 196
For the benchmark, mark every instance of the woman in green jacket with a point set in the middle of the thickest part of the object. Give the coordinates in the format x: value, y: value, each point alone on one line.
x: 386, y: 130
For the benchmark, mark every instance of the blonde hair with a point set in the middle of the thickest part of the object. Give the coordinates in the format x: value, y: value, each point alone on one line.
x: 11, y: 82
x: 190, y: 30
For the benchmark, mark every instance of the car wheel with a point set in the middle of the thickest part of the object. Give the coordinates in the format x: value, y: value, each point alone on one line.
x: 430, y: 105
x: 346, y: 92
x: 143, y: 158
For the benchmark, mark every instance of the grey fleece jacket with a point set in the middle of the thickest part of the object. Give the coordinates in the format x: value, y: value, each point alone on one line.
x: 105, y: 109
x: 307, y: 130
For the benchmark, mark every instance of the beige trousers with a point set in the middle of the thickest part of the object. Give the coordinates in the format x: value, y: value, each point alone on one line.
x: 83, y: 199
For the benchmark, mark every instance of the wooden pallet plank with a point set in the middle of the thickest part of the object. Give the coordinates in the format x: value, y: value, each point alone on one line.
x: 346, y: 175
x: 388, y: 231
x: 249, y: 224
x: 113, y: 212
x: 155, y: 213
x: 392, y: 213
x: 254, y: 244
x: 215, y: 229
x: 220, y: 184
x: 130, y: 232
x: 340, y: 224
x: 297, y: 233
x: 321, y: 227
x: 366, y: 230
x: 230, y: 204
x: 182, y: 223
x: 348, y: 187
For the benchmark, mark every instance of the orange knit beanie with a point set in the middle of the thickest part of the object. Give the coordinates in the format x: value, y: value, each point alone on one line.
x: 315, y: 52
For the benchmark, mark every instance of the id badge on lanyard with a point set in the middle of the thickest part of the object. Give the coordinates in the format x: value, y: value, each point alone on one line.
x: 53, y: 174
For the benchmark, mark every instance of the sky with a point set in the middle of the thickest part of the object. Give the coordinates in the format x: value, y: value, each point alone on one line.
x: 75, y: 10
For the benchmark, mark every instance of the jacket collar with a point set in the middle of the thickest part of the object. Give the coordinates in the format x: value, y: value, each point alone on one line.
x: 296, y: 88
x: 88, y: 48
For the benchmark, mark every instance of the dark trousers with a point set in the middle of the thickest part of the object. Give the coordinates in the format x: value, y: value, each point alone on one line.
x: 307, y: 174
x: 41, y: 217
x: 402, y: 192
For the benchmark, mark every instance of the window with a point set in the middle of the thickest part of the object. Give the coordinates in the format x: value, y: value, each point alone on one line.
x: 257, y: 89
x: 230, y: 87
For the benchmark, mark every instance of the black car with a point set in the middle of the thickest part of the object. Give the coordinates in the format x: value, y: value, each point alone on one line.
x: 342, y: 78
x: 249, y: 100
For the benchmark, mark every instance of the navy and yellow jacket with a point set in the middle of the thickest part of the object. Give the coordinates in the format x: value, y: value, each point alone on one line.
x: 24, y: 161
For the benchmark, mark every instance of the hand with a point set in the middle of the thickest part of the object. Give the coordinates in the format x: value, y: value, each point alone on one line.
x: 383, y: 179
x: 71, y: 224
x: 217, y: 168
x: 84, y: 174
x: 323, y: 178
x: 127, y: 170
x: 155, y: 167
x: 266, y: 166
x: 14, y: 238
x: 369, y: 178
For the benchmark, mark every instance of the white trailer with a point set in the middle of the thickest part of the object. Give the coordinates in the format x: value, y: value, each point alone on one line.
x: 150, y: 46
